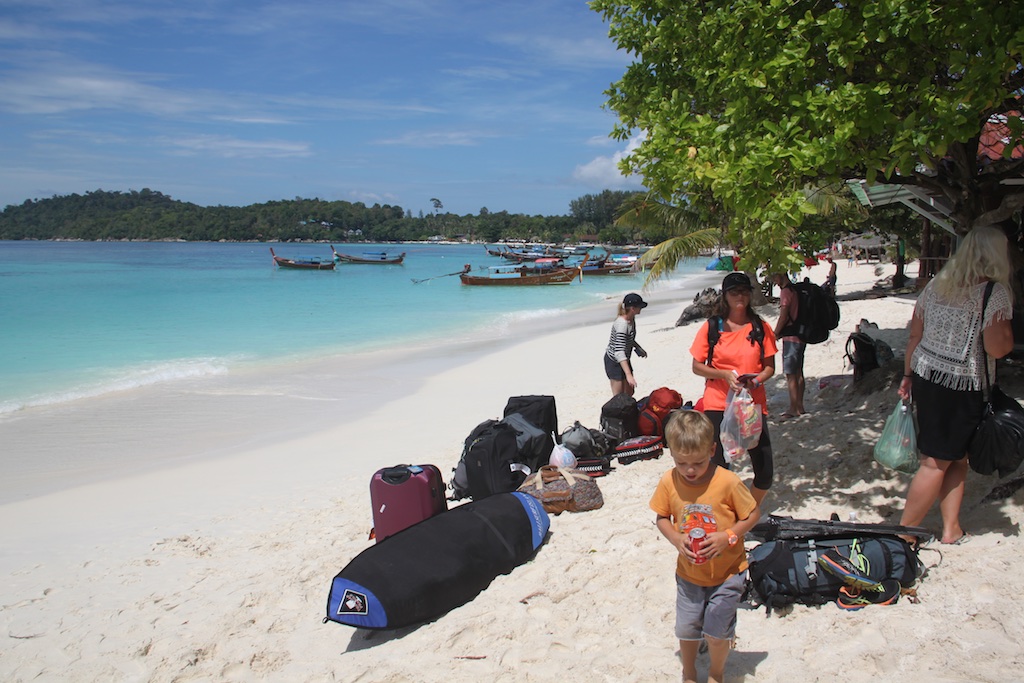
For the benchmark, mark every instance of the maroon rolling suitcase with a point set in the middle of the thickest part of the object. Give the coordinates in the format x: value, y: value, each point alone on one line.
x: 404, y: 495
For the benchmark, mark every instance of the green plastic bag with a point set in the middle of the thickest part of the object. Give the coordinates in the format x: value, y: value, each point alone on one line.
x: 897, y: 447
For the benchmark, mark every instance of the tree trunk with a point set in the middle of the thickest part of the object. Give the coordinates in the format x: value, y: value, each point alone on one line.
x: 759, y: 293
x: 900, y: 278
x: 925, y: 270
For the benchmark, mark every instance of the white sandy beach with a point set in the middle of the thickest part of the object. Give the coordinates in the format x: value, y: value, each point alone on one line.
x: 218, y: 568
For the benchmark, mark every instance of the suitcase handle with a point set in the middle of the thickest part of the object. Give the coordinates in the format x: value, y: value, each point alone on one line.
x: 399, y: 473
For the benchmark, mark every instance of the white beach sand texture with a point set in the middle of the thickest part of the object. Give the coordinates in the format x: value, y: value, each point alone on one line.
x: 218, y: 570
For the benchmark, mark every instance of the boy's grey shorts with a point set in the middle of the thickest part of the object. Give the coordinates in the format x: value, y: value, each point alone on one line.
x: 708, y: 610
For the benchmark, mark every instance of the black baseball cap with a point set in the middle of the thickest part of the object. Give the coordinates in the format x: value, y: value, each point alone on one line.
x: 633, y: 300
x: 736, y: 280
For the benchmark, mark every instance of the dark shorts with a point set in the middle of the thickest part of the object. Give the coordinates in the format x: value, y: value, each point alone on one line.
x: 613, y: 369
x: 793, y: 357
x: 760, y: 455
x: 708, y: 610
x: 946, y: 418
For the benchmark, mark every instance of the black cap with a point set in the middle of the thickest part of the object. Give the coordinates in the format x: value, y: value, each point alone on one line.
x: 634, y: 301
x: 736, y: 280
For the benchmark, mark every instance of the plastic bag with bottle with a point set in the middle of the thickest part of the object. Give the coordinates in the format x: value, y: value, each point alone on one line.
x: 741, y: 425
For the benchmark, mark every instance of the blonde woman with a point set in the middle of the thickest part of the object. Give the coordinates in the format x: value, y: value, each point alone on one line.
x: 618, y: 366
x: 944, y: 370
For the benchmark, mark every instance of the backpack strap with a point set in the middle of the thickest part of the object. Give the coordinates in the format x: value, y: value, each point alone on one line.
x: 715, y: 329
x: 757, y: 334
x: 715, y: 325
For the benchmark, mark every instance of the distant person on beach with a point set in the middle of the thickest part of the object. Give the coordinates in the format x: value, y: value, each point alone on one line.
x: 830, y: 282
x: 944, y: 370
x: 743, y: 357
x: 792, y: 348
x: 704, y: 512
x: 618, y: 364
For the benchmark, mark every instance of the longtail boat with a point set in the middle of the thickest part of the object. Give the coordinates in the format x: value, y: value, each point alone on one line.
x: 314, y: 263
x: 370, y: 257
x: 507, y: 276
x: 608, y: 268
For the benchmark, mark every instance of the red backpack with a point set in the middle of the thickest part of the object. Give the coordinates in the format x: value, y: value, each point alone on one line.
x: 656, y: 410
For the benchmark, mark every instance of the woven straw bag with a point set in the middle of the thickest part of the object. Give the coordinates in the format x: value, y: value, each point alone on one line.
x: 560, y: 489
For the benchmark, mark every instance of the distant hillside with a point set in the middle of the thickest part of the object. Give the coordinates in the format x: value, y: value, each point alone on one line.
x: 151, y: 215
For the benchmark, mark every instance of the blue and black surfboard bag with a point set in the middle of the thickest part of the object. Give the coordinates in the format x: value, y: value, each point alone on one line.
x: 423, y: 572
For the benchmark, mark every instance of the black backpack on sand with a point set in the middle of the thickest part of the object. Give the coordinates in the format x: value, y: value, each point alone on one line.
x: 619, y: 418
x: 786, y: 571
x: 490, y: 462
x: 862, y: 354
x: 540, y: 411
x: 534, y: 445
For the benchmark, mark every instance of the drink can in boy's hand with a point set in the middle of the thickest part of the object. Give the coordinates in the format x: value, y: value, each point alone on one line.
x: 697, y: 536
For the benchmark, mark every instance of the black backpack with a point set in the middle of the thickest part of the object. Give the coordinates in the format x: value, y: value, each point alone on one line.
x: 619, y: 418
x: 861, y: 353
x: 715, y: 325
x: 817, y: 314
x: 490, y: 462
x: 538, y: 410
x: 534, y: 445
x: 784, y: 572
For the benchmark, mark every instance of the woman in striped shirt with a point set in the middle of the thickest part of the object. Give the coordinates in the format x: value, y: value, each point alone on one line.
x: 617, y: 363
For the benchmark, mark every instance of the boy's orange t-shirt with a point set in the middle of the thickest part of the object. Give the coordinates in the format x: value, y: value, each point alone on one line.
x: 733, y: 352
x: 715, y: 505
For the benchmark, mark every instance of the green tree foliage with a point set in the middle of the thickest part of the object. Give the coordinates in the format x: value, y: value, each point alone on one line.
x: 753, y: 100
x: 598, y: 209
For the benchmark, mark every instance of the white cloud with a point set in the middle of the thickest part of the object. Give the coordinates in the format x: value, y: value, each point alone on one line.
x: 603, y: 172
x: 436, y: 139
x: 600, y: 141
x: 371, y: 198
x: 235, y: 148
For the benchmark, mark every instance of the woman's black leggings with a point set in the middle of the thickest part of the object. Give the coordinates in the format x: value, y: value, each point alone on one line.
x: 760, y: 455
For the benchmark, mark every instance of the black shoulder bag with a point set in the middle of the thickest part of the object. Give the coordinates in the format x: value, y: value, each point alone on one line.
x: 998, y: 441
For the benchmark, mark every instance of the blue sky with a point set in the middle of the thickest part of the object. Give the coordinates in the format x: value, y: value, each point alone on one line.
x: 477, y: 103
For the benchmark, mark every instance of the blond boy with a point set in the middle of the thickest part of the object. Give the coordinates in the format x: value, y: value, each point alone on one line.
x: 711, y: 562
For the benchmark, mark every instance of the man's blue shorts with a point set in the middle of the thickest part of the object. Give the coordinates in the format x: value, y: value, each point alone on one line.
x: 793, y: 357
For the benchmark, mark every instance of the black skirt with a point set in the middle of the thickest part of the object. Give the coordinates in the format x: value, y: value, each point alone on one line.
x: 946, y: 418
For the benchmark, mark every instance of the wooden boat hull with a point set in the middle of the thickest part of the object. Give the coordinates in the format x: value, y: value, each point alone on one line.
x: 301, y: 264
x: 384, y: 260
x: 520, y: 279
x: 609, y: 270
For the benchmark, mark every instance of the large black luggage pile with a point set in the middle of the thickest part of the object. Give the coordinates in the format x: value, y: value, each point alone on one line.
x: 499, y: 454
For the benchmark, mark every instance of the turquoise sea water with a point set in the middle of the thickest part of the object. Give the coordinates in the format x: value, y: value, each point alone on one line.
x: 84, y: 319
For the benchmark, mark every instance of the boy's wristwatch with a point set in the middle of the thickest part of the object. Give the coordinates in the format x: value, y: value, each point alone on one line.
x: 733, y: 538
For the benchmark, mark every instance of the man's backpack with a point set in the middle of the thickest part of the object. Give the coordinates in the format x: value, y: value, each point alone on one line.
x: 784, y: 572
x: 715, y: 328
x: 862, y: 354
x: 655, y: 409
x: 817, y: 314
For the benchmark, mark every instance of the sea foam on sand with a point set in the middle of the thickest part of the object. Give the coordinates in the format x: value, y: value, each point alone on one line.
x: 217, y: 569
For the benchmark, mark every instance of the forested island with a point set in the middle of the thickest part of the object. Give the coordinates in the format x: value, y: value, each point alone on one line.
x: 150, y: 215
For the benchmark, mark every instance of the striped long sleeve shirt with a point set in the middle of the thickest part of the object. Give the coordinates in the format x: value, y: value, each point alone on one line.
x: 622, y: 340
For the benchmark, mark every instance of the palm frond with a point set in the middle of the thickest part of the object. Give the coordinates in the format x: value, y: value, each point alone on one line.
x: 664, y: 257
